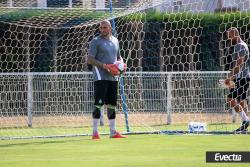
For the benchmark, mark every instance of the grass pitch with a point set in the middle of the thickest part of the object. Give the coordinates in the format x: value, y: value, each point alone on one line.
x: 134, y: 151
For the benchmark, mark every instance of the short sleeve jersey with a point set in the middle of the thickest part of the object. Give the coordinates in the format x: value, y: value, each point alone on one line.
x: 241, y: 49
x: 105, y: 51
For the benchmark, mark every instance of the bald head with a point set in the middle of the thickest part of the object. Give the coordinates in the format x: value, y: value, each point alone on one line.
x: 105, y: 29
x: 232, y: 33
x: 105, y: 22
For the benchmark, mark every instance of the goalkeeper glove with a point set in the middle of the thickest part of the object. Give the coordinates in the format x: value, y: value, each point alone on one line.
x: 112, y: 68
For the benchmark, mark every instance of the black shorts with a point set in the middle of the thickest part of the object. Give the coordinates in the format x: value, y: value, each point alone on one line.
x: 105, y: 92
x: 240, y: 90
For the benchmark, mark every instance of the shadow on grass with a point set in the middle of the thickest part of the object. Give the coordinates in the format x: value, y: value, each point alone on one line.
x: 44, y: 141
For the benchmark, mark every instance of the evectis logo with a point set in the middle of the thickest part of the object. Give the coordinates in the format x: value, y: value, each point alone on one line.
x: 225, y: 157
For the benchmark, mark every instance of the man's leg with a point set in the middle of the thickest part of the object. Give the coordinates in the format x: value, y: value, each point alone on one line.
x: 111, y: 117
x: 102, y: 116
x: 244, y: 117
x: 100, y: 88
x: 111, y: 101
x: 236, y: 100
x: 96, y: 119
x: 112, y: 124
x: 242, y: 100
x: 239, y: 109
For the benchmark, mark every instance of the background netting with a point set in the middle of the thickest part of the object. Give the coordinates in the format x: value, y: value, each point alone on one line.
x: 176, y: 52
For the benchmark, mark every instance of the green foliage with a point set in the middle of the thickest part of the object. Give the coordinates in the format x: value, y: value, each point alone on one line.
x: 176, y: 30
x: 17, y: 14
x: 11, y: 15
x: 209, y: 28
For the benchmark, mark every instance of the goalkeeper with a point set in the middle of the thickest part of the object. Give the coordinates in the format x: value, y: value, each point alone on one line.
x: 239, y: 77
x: 103, y: 52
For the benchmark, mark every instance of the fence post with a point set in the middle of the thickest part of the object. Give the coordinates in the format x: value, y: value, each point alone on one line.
x: 30, y: 99
x: 169, y: 97
x: 70, y: 4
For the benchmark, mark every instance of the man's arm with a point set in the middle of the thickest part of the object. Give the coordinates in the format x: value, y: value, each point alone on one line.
x: 236, y: 69
x: 94, y: 62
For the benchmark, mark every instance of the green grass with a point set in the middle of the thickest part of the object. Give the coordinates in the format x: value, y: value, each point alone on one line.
x: 134, y: 151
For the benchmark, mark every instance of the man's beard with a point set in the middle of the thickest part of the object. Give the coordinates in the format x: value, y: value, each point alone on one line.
x: 234, y: 41
x: 106, y: 35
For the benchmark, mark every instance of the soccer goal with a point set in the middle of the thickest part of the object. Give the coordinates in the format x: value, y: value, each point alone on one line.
x: 176, y: 52
x: 61, y: 103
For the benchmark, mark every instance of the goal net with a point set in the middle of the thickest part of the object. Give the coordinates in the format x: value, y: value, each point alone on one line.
x: 176, y: 52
